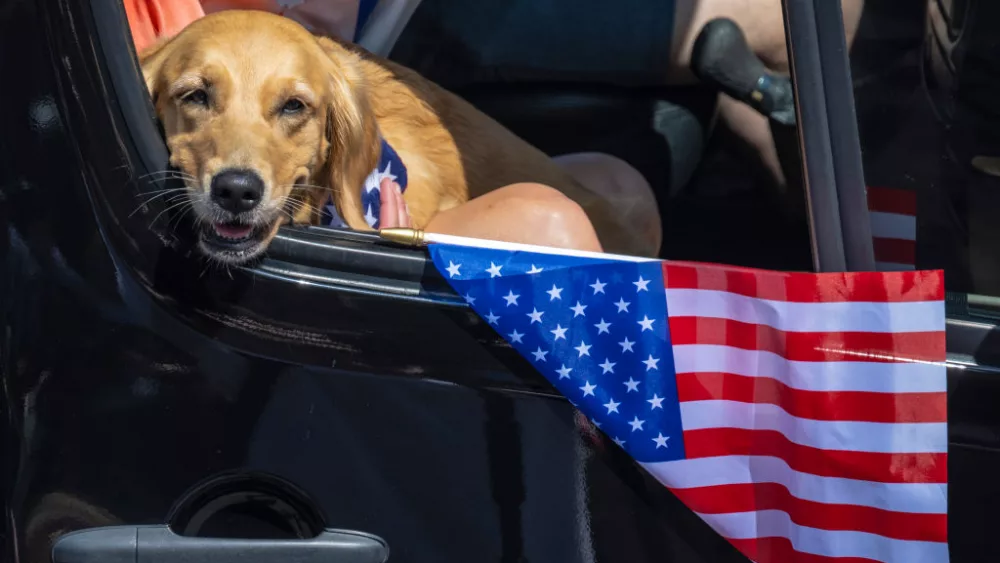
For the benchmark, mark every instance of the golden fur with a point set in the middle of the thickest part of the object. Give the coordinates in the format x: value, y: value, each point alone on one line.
x: 249, y: 63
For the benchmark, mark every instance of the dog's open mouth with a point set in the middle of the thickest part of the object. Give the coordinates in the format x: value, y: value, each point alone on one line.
x: 233, y: 241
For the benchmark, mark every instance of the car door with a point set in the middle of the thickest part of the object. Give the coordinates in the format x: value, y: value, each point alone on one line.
x: 335, y: 403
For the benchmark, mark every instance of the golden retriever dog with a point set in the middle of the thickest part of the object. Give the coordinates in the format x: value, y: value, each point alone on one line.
x: 266, y: 120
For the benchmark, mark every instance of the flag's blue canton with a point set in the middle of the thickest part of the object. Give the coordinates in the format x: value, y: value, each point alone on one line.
x: 391, y: 166
x: 595, y: 328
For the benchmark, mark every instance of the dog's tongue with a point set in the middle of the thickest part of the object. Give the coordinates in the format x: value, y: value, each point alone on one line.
x: 233, y: 231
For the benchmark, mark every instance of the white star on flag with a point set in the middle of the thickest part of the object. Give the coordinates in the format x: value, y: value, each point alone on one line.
x: 612, y: 406
x: 598, y: 286
x: 651, y: 362
x: 641, y: 285
x: 511, y: 298
x: 555, y: 293
x: 636, y: 424
x: 661, y: 440
x: 622, y: 305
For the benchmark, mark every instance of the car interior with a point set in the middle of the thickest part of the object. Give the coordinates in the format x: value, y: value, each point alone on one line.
x: 189, y: 357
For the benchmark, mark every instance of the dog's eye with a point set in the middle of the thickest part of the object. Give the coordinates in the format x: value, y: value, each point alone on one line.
x: 197, y: 97
x: 292, y: 106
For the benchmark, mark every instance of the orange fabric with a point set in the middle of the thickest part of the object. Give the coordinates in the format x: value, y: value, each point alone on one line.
x: 150, y: 20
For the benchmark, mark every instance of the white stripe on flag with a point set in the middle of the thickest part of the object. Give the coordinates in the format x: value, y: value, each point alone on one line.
x: 878, y: 437
x: 775, y: 523
x: 893, y: 225
x: 917, y: 316
x: 922, y: 498
x: 518, y: 247
x: 904, y: 377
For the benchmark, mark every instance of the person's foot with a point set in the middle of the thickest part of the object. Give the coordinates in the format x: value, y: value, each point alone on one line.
x: 722, y: 58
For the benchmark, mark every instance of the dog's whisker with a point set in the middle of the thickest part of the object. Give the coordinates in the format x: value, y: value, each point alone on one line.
x: 160, y: 192
x: 174, y: 173
x: 298, y: 206
x: 159, y: 195
x: 174, y: 206
x: 175, y: 222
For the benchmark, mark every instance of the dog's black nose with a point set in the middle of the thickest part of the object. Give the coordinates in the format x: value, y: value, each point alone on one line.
x: 237, y: 190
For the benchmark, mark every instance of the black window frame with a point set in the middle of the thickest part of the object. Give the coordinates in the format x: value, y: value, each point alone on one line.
x: 829, y: 142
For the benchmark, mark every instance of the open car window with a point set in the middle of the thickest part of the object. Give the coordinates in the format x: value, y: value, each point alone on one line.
x: 715, y: 202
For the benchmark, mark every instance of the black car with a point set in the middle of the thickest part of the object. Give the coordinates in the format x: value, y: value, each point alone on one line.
x: 338, y: 402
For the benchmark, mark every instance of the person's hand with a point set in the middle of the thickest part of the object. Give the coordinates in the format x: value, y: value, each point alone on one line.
x: 394, y: 212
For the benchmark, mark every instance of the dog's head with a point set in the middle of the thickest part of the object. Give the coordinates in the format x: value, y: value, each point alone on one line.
x: 264, y: 121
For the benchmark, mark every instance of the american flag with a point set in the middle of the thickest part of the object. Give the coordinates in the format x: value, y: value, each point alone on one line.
x: 802, y: 416
x: 893, y: 216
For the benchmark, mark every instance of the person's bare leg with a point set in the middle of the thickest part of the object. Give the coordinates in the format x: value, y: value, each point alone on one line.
x: 522, y: 213
x: 763, y: 25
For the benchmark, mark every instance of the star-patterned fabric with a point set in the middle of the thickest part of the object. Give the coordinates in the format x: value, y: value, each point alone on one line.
x: 390, y: 166
x: 595, y: 328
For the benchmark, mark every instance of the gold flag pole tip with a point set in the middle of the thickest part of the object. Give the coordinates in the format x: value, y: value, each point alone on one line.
x: 408, y: 237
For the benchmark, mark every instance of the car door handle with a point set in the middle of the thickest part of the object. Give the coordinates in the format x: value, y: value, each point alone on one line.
x: 158, y: 544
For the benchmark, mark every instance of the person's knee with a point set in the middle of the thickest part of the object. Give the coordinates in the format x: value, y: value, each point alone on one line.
x: 548, y: 217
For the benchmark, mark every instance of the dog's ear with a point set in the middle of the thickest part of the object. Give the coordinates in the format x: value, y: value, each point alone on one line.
x: 352, y: 133
x: 151, y: 60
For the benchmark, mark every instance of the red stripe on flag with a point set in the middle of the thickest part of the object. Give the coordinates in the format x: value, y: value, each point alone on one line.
x: 749, y: 497
x: 780, y: 550
x: 865, y: 466
x: 858, y: 406
x: 892, y: 200
x: 881, y: 347
x: 879, y: 287
x: 895, y: 250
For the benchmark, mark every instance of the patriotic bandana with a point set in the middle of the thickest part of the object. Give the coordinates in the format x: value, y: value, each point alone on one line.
x: 390, y: 166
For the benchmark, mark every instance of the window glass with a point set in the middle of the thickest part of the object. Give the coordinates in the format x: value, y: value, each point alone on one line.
x: 926, y: 83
